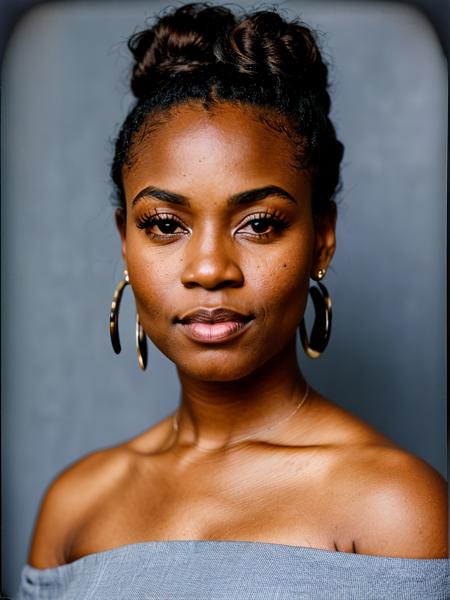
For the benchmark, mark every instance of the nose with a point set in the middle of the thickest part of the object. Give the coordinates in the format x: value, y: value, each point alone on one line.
x: 211, y: 262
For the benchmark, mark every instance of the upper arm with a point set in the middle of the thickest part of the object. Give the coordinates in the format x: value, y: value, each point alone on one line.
x: 404, y: 509
x: 51, y: 527
x: 65, y: 503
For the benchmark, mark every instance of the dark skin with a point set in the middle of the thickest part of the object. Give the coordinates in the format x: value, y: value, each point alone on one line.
x: 321, y: 478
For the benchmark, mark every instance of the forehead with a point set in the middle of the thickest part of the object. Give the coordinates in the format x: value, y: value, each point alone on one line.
x: 228, y: 142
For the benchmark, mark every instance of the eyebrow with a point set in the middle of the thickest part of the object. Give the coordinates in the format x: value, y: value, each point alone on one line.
x: 246, y: 197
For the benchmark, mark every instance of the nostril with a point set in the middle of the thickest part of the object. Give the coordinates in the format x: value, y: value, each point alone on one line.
x: 190, y: 284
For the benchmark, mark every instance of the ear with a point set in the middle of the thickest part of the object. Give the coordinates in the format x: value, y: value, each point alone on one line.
x: 121, y: 224
x: 325, y: 226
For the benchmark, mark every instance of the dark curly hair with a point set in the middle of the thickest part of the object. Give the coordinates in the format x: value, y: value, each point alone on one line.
x: 199, y: 52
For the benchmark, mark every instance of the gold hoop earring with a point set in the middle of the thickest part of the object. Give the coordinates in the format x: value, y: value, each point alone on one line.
x: 141, y: 344
x: 321, y: 330
x: 141, y: 339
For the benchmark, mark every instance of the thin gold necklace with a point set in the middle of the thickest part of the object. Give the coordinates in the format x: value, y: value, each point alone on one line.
x: 175, y: 423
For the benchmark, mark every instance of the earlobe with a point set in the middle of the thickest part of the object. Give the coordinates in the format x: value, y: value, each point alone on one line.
x: 120, y: 218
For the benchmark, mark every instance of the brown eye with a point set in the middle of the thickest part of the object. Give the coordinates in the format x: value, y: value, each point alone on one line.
x: 167, y: 226
x: 161, y: 226
x: 260, y: 226
x: 264, y: 225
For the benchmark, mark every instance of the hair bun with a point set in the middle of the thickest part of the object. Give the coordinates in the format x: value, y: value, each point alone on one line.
x: 265, y: 44
x: 180, y: 41
x: 198, y: 36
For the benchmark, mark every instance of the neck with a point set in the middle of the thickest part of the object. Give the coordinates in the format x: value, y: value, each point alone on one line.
x: 213, y: 414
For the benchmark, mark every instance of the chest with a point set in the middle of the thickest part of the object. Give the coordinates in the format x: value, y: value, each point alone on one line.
x: 279, y: 502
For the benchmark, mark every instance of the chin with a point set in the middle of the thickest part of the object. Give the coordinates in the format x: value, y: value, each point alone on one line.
x: 216, y: 371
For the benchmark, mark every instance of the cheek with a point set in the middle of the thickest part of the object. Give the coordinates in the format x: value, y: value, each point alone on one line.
x: 153, y: 278
x: 280, y: 282
x: 290, y: 291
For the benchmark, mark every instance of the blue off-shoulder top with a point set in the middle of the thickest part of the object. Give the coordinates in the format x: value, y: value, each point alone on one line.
x: 235, y: 570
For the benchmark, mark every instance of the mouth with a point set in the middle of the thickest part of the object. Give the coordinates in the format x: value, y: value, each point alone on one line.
x: 214, y: 325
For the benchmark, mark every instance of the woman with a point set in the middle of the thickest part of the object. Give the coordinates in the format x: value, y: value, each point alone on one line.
x: 257, y: 487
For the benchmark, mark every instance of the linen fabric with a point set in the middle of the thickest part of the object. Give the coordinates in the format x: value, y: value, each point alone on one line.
x: 235, y: 570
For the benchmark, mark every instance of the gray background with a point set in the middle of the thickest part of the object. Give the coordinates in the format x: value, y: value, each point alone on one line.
x: 64, y: 96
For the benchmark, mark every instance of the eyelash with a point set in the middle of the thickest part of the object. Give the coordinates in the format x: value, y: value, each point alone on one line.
x: 150, y: 219
x: 274, y: 218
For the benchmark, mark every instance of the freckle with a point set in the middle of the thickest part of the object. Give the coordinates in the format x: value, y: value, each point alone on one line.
x: 284, y: 265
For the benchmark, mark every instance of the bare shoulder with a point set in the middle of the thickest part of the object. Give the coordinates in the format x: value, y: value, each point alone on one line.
x: 77, y: 491
x: 393, y: 502
x: 397, y: 502
x: 68, y: 499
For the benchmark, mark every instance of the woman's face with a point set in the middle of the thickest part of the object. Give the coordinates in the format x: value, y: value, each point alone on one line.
x: 219, y: 220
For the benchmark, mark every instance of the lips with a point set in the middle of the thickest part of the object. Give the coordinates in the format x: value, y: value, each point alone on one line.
x: 214, y: 325
x: 215, y: 315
